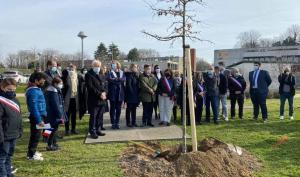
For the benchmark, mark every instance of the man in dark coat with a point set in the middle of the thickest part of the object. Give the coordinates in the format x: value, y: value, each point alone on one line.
x: 260, y: 80
x: 51, y: 73
x: 96, y: 99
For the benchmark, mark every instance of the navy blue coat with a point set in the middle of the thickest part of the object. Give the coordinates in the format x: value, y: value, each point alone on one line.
x: 55, y: 106
x: 116, y: 86
x: 263, y: 82
x: 132, y: 88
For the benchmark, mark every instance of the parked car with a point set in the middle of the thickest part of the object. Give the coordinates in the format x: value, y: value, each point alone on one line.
x: 19, y: 78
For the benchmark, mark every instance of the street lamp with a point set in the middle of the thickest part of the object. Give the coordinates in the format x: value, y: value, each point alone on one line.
x: 82, y: 36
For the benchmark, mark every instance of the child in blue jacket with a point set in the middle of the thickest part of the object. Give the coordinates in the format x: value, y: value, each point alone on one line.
x: 37, y: 108
x: 55, y: 109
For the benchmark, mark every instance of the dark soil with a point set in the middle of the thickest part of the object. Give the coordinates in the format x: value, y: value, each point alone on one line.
x: 214, y: 159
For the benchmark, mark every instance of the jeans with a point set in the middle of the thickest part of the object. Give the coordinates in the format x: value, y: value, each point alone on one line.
x: 223, y: 99
x: 214, y: 102
x: 283, y: 98
x: 7, y: 149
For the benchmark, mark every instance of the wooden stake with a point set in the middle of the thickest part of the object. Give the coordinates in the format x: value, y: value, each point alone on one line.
x: 191, y: 98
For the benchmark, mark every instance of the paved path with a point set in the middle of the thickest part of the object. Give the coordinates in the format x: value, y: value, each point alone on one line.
x: 136, y: 134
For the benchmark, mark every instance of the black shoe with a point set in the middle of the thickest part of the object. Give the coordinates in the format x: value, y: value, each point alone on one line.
x: 67, y: 133
x: 161, y: 123
x: 117, y: 127
x: 113, y: 127
x: 102, y: 128
x: 52, y: 148
x: 100, y: 134
x: 134, y: 125
x: 128, y: 125
x: 150, y: 125
x: 216, y: 122
x: 94, y: 136
x: 74, y: 132
x: 168, y: 124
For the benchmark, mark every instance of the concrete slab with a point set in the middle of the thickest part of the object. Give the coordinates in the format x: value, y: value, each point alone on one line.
x: 125, y: 134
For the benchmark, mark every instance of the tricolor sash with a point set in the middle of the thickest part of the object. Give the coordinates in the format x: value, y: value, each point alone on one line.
x: 115, y: 75
x: 168, y: 87
x: 10, y: 104
x: 201, y: 88
x: 237, y: 82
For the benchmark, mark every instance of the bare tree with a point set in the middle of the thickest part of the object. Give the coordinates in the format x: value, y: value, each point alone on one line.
x: 248, y: 39
x: 11, y: 60
x: 266, y: 42
x: 293, y: 32
x: 181, y: 29
x: 148, y: 53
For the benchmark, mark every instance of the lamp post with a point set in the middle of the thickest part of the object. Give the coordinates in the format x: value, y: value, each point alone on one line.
x: 82, y: 36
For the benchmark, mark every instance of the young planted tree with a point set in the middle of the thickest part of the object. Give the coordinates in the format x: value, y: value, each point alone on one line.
x: 184, y: 13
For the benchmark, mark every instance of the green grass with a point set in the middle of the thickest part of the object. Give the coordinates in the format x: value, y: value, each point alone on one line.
x: 77, y: 159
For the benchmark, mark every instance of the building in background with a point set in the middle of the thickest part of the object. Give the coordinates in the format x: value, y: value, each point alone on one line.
x: 273, y: 59
x: 173, y: 62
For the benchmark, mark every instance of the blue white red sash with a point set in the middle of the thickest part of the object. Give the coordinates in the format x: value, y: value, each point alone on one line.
x: 200, y: 87
x: 115, y: 75
x: 237, y: 82
x: 166, y: 84
x: 10, y: 104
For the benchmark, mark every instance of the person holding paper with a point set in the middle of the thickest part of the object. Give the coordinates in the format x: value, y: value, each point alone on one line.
x: 37, y: 108
x: 10, y: 124
x: 55, y: 110
x: 236, y: 86
x: 166, y: 96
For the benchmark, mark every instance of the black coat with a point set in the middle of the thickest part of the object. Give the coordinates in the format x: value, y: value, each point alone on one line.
x: 290, y: 81
x: 234, y: 87
x: 161, y: 88
x: 132, y: 88
x: 223, y: 86
x: 10, y: 119
x: 95, y: 84
x: 82, y: 95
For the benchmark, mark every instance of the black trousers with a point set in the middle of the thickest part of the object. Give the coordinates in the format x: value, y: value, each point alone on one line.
x: 259, y: 101
x: 52, y: 140
x: 147, y: 112
x: 115, y: 112
x: 174, y: 113
x: 199, y: 110
x: 71, y: 116
x: 35, y: 135
x: 96, y: 118
x: 239, y: 98
x: 131, y: 113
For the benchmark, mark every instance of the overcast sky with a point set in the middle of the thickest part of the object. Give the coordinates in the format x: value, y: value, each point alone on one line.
x: 40, y: 24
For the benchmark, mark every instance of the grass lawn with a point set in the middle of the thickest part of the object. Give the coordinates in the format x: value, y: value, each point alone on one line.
x: 79, y: 160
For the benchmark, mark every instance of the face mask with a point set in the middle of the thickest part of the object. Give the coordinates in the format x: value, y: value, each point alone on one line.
x: 84, y: 72
x: 10, y: 94
x: 60, y: 86
x: 113, y: 66
x: 157, y: 70
x: 71, y: 72
x: 255, y: 67
x: 96, y: 70
x: 210, y: 74
x: 53, y: 69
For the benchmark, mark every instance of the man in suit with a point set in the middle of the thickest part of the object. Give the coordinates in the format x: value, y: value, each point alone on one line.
x: 95, y: 83
x: 260, y: 80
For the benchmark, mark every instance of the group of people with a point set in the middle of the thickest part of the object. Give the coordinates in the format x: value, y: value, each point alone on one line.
x: 56, y: 96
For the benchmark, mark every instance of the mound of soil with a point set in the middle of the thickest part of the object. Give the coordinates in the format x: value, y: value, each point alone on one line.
x: 214, y: 159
